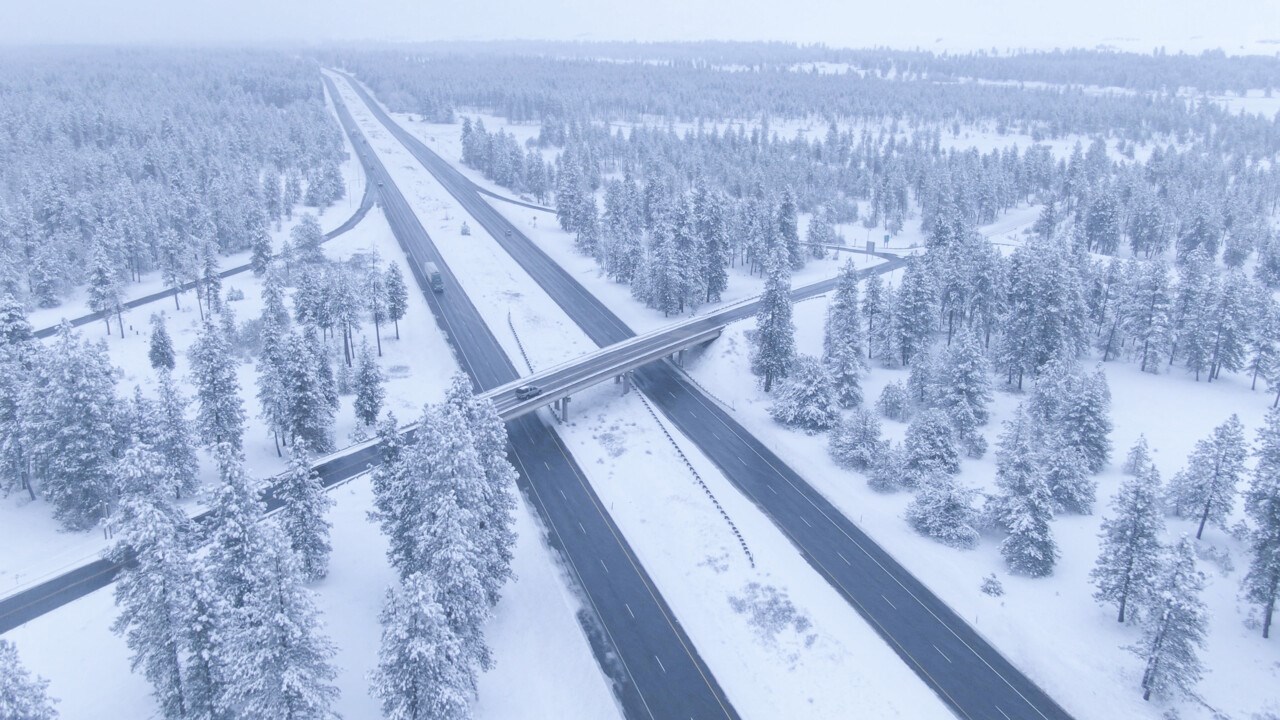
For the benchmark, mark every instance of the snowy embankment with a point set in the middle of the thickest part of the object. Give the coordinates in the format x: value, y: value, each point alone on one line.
x: 1051, y: 628
x: 543, y: 664
x: 777, y: 637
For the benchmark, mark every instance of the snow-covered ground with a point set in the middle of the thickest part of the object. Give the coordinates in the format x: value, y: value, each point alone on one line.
x: 828, y: 657
x: 544, y: 666
x: 1051, y: 628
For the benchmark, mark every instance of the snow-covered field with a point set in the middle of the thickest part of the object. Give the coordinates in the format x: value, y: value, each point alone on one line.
x: 1051, y: 628
x: 830, y: 659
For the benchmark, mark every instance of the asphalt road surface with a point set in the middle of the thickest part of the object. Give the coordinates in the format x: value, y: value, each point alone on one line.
x: 967, y: 673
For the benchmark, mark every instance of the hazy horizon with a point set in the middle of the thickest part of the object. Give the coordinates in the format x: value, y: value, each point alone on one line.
x: 1235, y: 26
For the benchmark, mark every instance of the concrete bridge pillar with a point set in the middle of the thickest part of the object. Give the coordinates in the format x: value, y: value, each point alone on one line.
x: 626, y: 383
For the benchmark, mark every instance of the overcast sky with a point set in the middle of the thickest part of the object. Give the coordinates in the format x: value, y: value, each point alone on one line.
x: 1234, y: 25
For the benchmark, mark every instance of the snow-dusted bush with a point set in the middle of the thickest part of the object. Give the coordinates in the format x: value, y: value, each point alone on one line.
x: 894, y: 402
x: 855, y: 441
x: 807, y: 398
x: 943, y: 510
x: 992, y: 586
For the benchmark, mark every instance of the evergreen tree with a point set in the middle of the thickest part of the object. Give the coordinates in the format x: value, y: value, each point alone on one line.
x: 497, y: 496
x: 1085, y: 422
x: 788, y: 232
x: 1147, y: 314
x: 397, y: 296
x: 422, y: 671
x: 260, y: 247
x: 1206, y: 489
x: 307, y: 238
x: 276, y: 659
x: 1139, y: 457
x: 895, y: 402
x: 311, y: 392
x: 1129, y: 559
x: 1174, y: 631
x: 376, y: 302
x: 22, y: 697
x: 104, y: 288
x: 236, y: 509
x: 398, y: 499
x: 369, y: 387
x: 808, y: 398
x: 930, y: 447
x: 855, y: 441
x: 161, y: 351
x: 874, y: 309
x: 774, y: 341
x: 15, y: 330
x: 220, y: 413
x: 153, y: 591
x: 69, y: 416
x: 964, y: 390
x: 302, y: 514
x: 1262, y: 503
x: 943, y: 510
x: 174, y: 440
x: 1231, y: 326
x: 1022, y: 505
x: 913, y: 314
x: 1066, y: 474
x: 274, y: 359
x: 843, y: 341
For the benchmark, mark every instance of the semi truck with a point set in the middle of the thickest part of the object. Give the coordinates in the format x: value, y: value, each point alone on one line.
x: 434, y: 278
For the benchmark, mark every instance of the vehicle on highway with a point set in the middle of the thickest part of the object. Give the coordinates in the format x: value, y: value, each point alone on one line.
x: 508, y: 232
x: 379, y: 183
x: 524, y: 392
x: 434, y: 278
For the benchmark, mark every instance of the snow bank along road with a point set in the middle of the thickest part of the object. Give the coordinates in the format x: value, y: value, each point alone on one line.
x: 967, y: 673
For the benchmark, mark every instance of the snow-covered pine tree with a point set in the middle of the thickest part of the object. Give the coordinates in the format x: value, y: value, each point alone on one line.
x: 397, y: 295
x: 310, y: 393
x: 774, y: 341
x: 855, y: 441
x: 1206, y: 488
x: 712, y: 228
x: 204, y: 682
x: 307, y: 238
x: 160, y: 352
x: 1230, y: 325
x: 1022, y: 505
x: 913, y: 313
x: 1174, y: 631
x: 1147, y: 311
x: 943, y: 510
x: 260, y: 250
x: 398, y: 498
x: 104, y: 287
x: 930, y: 447
x: 964, y: 378
x: 496, y: 519
x: 220, y: 413
x: 843, y: 350
x: 275, y: 658
x: 22, y: 697
x: 174, y: 439
x: 154, y: 590
x: 369, y: 388
x: 873, y: 309
x: 1129, y: 559
x: 1262, y: 504
x: 895, y: 402
x: 302, y: 514
x: 376, y: 301
x: 1139, y: 457
x: 69, y: 415
x: 15, y: 329
x: 788, y: 234
x: 422, y: 673
x: 807, y: 399
x: 1066, y: 473
x: 1192, y: 313
x: 1085, y: 421
x: 235, y: 510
